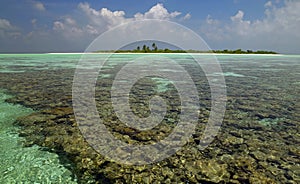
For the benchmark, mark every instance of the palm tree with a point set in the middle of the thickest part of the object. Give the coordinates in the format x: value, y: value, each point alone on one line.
x: 144, y: 48
x: 153, y: 45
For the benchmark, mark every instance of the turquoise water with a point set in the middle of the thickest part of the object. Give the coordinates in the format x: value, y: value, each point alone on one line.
x: 25, y: 164
x: 15, y: 63
x: 161, y: 84
x: 262, y: 115
x: 28, y: 62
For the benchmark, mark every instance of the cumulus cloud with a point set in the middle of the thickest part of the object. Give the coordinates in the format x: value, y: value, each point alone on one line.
x: 157, y: 12
x: 278, y: 29
x: 68, y: 27
x: 57, y: 26
x: 76, y: 31
x: 187, y: 16
x: 103, y: 18
x: 268, y: 4
x: 91, y: 30
x: 7, y: 30
x: 33, y: 21
x: 5, y: 25
x: 98, y: 21
x: 213, y: 29
x: 211, y: 21
x: 239, y: 25
x: 38, y: 5
x: 70, y: 21
x: 238, y: 17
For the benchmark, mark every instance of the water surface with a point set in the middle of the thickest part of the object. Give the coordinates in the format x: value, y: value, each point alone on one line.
x: 258, y: 141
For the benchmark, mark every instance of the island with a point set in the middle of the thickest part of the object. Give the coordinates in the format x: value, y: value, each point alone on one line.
x: 154, y: 49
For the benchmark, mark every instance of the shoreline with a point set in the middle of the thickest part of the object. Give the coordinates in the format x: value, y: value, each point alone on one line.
x: 131, y: 53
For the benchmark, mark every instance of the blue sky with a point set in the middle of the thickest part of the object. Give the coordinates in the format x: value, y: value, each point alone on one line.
x: 66, y: 26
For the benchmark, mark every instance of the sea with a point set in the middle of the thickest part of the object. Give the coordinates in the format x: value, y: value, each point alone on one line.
x: 258, y: 138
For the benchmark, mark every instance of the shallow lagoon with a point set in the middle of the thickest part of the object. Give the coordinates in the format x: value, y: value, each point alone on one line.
x: 258, y: 141
x: 26, y: 164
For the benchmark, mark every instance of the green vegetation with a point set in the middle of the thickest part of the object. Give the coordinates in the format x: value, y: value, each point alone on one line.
x: 146, y: 49
x: 240, y: 51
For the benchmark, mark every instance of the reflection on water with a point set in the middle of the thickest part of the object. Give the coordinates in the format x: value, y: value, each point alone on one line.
x: 258, y: 141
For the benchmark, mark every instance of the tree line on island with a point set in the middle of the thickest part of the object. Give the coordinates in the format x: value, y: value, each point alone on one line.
x: 240, y: 51
x: 154, y: 49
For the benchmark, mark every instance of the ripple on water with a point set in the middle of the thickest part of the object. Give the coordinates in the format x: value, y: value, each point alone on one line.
x: 25, y: 164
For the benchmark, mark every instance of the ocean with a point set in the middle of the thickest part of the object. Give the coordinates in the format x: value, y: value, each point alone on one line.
x: 43, y: 141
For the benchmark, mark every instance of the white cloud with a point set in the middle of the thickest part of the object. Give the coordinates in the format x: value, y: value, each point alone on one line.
x: 33, y: 21
x: 239, y: 25
x: 66, y: 24
x: 39, y: 6
x: 91, y: 30
x: 5, y: 25
x: 210, y: 20
x: 98, y: 21
x: 75, y: 31
x: 278, y: 30
x: 187, y: 16
x: 213, y: 29
x: 7, y: 30
x: 103, y: 18
x: 70, y: 21
x: 158, y: 12
x: 238, y: 17
x: 92, y: 22
x: 68, y: 28
x: 57, y: 26
x: 268, y: 4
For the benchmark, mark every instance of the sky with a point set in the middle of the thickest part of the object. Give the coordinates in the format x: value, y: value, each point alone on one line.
x: 70, y: 26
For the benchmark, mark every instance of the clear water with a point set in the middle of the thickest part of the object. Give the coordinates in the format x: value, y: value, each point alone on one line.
x: 29, y: 62
x: 261, y: 83
x: 25, y: 164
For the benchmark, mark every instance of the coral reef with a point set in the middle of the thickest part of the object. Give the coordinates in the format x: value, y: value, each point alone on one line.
x: 258, y: 142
